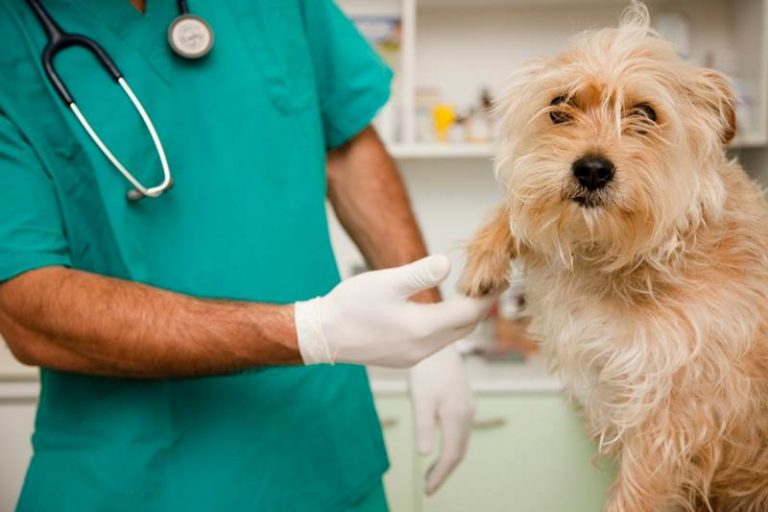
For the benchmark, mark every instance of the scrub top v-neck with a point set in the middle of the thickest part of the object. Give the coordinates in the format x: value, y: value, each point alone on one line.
x: 246, y: 131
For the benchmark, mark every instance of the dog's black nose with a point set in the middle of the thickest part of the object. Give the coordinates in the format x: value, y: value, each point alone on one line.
x: 593, y: 172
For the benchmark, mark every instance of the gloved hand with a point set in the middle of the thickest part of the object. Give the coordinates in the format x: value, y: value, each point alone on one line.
x: 369, y: 320
x: 441, y: 396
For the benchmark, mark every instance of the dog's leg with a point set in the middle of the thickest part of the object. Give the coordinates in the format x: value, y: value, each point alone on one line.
x: 488, y: 258
x: 655, y: 462
x: 645, y: 482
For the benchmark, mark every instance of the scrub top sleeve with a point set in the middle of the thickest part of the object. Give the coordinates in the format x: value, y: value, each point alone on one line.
x: 31, y: 228
x: 353, y: 82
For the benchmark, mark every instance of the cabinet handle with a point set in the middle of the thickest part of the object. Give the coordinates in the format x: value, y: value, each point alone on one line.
x: 389, y: 422
x: 489, y: 423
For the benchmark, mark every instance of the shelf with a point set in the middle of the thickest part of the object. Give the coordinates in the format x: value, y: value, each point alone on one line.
x: 458, y: 46
x: 520, y: 3
x: 438, y: 151
x: 486, y: 151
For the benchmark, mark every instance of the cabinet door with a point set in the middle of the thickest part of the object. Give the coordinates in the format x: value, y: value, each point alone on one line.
x: 16, y: 424
x: 527, y: 454
x: 401, y: 479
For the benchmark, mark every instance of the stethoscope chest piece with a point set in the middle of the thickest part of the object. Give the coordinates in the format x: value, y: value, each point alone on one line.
x: 190, y: 36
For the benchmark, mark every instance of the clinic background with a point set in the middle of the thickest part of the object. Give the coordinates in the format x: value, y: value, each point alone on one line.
x: 451, y: 58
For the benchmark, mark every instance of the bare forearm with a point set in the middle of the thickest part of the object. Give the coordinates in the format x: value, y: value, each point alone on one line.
x: 81, y: 322
x: 370, y: 200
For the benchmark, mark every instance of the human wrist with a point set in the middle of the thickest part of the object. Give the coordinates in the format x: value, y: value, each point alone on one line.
x: 289, y: 339
x: 310, y: 338
x: 273, y: 335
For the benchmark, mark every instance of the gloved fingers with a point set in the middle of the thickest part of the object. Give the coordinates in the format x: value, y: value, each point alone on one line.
x: 455, y: 438
x: 425, y: 424
x: 446, y: 337
x: 456, y: 313
x: 420, y: 275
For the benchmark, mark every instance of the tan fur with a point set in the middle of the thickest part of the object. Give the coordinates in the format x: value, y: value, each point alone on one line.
x: 653, y: 306
x: 492, y: 249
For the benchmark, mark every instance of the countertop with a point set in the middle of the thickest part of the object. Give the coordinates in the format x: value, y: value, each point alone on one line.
x: 486, y: 377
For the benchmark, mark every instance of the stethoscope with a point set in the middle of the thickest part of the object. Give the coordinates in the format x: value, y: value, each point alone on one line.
x: 189, y: 36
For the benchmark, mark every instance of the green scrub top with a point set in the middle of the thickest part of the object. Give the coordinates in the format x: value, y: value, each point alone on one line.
x: 246, y: 131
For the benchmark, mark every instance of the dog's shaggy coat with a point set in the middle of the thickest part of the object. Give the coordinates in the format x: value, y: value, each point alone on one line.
x: 650, y: 295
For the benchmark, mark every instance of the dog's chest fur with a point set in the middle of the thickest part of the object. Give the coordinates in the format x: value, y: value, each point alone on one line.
x: 622, y: 360
x: 592, y: 345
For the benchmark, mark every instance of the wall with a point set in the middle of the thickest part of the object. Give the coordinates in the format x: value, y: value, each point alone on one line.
x: 450, y: 198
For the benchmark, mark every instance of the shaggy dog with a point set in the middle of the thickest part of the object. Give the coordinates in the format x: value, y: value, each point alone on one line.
x: 646, y: 255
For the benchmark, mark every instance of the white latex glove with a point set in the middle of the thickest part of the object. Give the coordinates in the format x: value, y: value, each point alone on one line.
x: 441, y: 397
x: 369, y: 320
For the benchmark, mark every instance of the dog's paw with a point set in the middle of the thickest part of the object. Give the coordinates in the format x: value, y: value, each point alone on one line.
x: 489, y: 257
x: 485, y: 274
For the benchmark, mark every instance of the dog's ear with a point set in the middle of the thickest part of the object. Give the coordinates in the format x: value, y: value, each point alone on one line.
x: 712, y: 91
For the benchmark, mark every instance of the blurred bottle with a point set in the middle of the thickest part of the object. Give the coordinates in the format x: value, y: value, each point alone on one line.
x: 477, y: 127
x: 427, y: 98
x: 459, y: 130
x: 488, y: 109
x: 444, y: 116
x: 512, y: 338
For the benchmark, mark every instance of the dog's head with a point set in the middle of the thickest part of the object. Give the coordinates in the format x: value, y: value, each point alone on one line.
x: 612, y: 150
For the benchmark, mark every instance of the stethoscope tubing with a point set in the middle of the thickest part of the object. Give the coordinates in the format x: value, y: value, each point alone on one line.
x: 139, y: 188
x: 183, y: 6
x: 59, y: 40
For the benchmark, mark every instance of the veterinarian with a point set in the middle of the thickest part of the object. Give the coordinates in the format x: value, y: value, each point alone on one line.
x: 177, y: 373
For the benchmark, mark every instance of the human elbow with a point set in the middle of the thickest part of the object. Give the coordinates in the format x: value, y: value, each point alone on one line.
x: 21, y: 351
x: 19, y: 341
x: 12, y: 331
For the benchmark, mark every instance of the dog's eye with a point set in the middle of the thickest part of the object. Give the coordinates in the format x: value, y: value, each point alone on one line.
x: 559, y: 116
x: 644, y: 110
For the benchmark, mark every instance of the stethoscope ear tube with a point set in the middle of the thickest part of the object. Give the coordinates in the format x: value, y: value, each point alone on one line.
x: 67, y: 41
x: 59, y: 40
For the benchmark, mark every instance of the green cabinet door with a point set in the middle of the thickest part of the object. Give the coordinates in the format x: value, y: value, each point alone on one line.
x: 401, y: 480
x: 528, y: 453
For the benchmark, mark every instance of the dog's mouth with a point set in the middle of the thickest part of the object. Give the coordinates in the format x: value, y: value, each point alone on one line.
x: 584, y: 197
x: 588, y: 200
